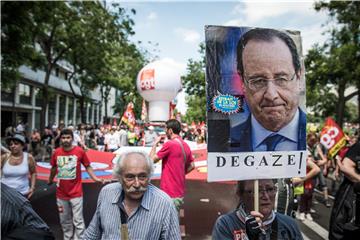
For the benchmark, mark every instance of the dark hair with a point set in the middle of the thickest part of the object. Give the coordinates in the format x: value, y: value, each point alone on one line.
x: 67, y: 131
x: 174, y: 125
x: 266, y: 35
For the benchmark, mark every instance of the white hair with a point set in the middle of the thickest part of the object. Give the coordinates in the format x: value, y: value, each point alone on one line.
x: 119, y: 166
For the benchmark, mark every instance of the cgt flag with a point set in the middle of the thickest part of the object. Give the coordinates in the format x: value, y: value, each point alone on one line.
x: 129, y: 116
x: 332, y: 137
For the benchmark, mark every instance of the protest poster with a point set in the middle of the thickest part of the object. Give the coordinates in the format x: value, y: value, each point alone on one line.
x: 255, y: 103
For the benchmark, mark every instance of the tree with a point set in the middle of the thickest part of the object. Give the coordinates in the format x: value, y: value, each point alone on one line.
x: 194, y: 85
x: 337, y: 62
x: 17, y: 45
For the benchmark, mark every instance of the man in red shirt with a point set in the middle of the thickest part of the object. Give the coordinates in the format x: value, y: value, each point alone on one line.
x: 66, y: 163
x: 177, y: 161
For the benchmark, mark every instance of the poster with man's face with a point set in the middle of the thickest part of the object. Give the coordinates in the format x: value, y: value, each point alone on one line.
x: 255, y: 103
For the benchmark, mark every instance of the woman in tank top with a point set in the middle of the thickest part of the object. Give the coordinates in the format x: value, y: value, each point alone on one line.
x: 17, y: 166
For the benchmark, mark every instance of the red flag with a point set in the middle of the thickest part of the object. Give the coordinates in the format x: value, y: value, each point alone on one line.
x: 332, y: 137
x: 172, y: 106
x: 143, y: 111
x: 129, y: 115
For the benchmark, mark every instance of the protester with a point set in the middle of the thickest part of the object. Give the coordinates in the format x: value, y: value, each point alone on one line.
x: 66, y: 162
x: 142, y: 210
x: 35, y: 145
x: 150, y: 136
x: 319, y: 156
x: 112, y: 141
x: 17, y: 166
x: 132, y: 137
x: 243, y: 223
x: 19, y: 220
x: 123, y: 136
x: 344, y: 209
x: 177, y: 161
x: 308, y: 183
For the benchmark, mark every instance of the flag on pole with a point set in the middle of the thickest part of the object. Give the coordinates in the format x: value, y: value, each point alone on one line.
x: 143, y: 111
x: 332, y: 137
x: 129, y: 116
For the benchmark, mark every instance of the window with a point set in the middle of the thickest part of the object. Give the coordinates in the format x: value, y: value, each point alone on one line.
x: 38, y: 97
x: 7, y: 94
x: 52, y: 111
x: 25, y: 93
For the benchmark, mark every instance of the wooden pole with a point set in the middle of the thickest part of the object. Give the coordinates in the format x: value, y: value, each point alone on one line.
x: 256, y: 195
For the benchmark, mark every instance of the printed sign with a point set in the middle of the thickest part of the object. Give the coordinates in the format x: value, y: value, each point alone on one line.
x: 259, y: 165
x: 255, y: 88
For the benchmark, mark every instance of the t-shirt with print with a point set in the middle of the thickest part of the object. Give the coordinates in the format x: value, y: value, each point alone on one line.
x: 69, y: 171
x: 173, y: 170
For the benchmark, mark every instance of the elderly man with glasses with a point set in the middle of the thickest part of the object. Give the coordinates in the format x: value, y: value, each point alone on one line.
x: 245, y: 224
x: 133, y: 208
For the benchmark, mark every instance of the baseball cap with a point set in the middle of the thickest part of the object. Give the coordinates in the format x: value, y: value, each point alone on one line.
x: 17, y: 137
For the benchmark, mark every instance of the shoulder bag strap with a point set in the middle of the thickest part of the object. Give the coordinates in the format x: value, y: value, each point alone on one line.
x: 182, y: 149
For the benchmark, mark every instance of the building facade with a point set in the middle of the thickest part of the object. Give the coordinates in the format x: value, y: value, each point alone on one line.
x: 23, y: 103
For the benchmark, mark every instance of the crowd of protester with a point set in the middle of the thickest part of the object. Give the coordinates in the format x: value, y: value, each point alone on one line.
x: 99, y: 137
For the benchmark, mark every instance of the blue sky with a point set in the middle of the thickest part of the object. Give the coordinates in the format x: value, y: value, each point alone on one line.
x: 178, y: 27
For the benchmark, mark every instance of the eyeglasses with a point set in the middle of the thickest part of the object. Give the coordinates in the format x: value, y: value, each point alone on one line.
x: 132, y: 177
x: 257, y: 84
x: 268, y: 190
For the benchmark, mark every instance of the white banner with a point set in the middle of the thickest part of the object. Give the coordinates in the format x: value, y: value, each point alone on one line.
x: 225, y: 166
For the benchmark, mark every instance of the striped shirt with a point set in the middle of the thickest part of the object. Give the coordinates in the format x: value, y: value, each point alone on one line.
x: 155, y: 218
x: 17, y: 213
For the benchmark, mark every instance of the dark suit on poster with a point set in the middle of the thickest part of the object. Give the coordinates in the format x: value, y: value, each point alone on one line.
x: 241, y: 140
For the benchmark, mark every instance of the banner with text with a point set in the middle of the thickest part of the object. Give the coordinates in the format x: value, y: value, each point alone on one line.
x: 256, y: 165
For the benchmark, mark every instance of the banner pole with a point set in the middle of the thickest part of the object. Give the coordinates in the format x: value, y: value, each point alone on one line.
x: 256, y: 195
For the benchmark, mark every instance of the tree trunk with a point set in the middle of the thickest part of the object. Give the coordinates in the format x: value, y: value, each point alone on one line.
x: 45, y: 99
x: 341, y: 104
x: 106, y: 99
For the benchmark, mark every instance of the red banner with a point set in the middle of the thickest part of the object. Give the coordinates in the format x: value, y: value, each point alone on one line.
x: 129, y: 116
x: 143, y: 111
x: 332, y: 137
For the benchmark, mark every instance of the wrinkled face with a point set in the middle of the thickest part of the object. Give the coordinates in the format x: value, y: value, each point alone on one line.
x: 66, y: 140
x: 274, y: 107
x: 267, y: 192
x: 135, y: 176
x: 15, y: 146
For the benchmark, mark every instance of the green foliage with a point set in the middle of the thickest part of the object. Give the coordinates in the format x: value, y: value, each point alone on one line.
x: 196, y: 108
x: 194, y: 85
x: 17, y: 45
x: 335, y: 64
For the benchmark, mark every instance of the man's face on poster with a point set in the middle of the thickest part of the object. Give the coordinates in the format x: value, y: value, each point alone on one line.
x: 271, y: 84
